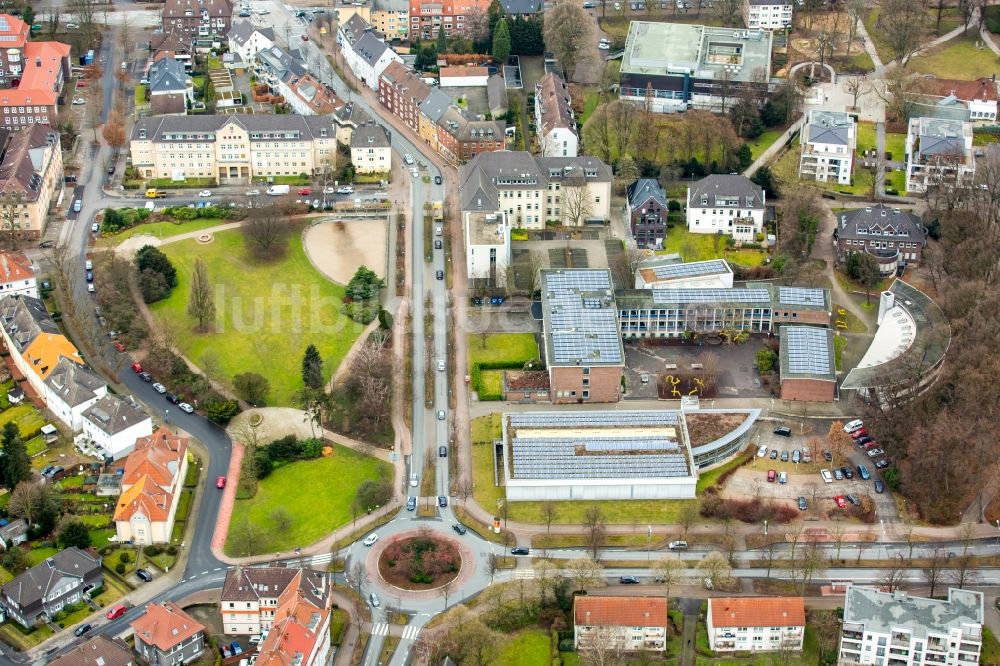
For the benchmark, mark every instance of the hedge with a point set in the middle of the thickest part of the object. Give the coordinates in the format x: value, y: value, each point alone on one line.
x: 476, y: 376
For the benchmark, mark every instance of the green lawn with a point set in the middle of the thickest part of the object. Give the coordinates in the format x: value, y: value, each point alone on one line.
x: 839, y: 344
x: 895, y: 145
x: 501, y: 347
x: 764, y: 141
x: 590, y: 100
x: 316, y: 494
x: 957, y: 59
x: 896, y: 180
x: 531, y: 647
x: 808, y: 657
x: 699, y: 247
x: 870, y: 19
x: 28, y: 419
x: 866, y: 137
x: 36, y: 445
x: 267, y: 314
x: 162, y: 229
x: 140, y: 95
x: 991, y: 648
x: 39, y: 555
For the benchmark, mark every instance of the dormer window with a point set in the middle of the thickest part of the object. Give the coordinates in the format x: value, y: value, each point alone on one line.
x: 142, y: 134
x: 704, y: 201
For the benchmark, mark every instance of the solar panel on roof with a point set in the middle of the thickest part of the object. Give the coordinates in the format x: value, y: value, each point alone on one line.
x: 808, y: 351
x: 616, y: 419
x: 685, y: 296
x: 694, y: 269
x: 801, y: 296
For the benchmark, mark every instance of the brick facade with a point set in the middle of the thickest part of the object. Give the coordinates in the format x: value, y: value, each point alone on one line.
x: 814, y: 390
x: 569, y: 384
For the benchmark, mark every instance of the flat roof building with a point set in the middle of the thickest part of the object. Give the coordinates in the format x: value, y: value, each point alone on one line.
x: 583, y: 347
x: 684, y: 64
x: 597, y: 455
x: 806, y: 359
x: 670, y: 272
x: 827, y: 146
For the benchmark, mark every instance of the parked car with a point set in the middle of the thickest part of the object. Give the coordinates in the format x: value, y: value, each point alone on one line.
x: 863, y: 472
x: 629, y: 580
x: 796, y: 456
x: 825, y: 473
x: 78, y: 101
x: 838, y: 475
x: 205, y: 193
x: 116, y: 612
x: 784, y: 456
x: 305, y: 191
x: 859, y: 433
x: 145, y: 376
x: 879, y: 486
x: 186, y: 408
x: 882, y: 463
x: 370, y: 540
x: 875, y: 452
x: 802, y: 503
x: 762, y: 451
x: 841, y: 502
x: 828, y: 456
x: 345, y: 189
x: 95, y: 227
x: 847, y: 471
x: 782, y: 477
x: 774, y: 454
x: 329, y: 190
x: 771, y: 475
x: 520, y: 550
x: 411, y: 503
x: 783, y: 431
x: 81, y: 630
x: 172, y: 398
x: 408, y: 158
x: 459, y: 528
x: 144, y: 575
x: 852, y: 426
x: 678, y: 545
x: 442, y: 501
x: 90, y: 276
x: 159, y: 388
x: 853, y: 499
x: 442, y: 451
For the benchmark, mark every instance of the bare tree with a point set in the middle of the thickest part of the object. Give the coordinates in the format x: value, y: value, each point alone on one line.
x: 596, y: 526
x: 770, y: 554
x: 602, y: 646
x: 201, y: 303
x: 446, y: 590
x: 893, y: 575
x: 357, y: 577
x: 84, y: 13
x: 577, y: 204
x: 856, y: 9
x: 567, y: 34
x: 114, y: 131
x: 857, y: 86
x: 491, y: 566
x: 903, y: 26
x: 715, y: 567
x: 963, y: 571
x: 669, y: 571
x: 12, y: 204
x: 266, y: 231
x: 728, y: 10
x: 549, y: 512
x: 585, y: 573
x: 839, y: 442
x: 26, y: 500
x: 933, y: 570
x: 547, y: 575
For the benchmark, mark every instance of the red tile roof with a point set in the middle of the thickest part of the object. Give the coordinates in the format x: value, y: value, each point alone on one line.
x: 299, y: 624
x: 158, y: 455
x: 164, y: 626
x: 601, y: 611
x: 983, y: 88
x: 462, y: 70
x: 43, y: 63
x: 15, y: 266
x: 757, y: 611
x: 13, y: 31
x: 144, y: 497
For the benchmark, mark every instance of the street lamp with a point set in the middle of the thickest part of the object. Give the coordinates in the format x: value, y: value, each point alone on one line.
x: 765, y: 527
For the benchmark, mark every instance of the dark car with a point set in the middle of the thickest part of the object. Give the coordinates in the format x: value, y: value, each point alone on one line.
x: 848, y: 472
x: 783, y: 431
x: 46, y: 244
x: 879, y: 486
x: 90, y: 276
x: 861, y: 441
x: 442, y: 451
x: 863, y: 472
x: 784, y: 456
x: 145, y: 376
x: 442, y: 501
x: 828, y: 456
x: 853, y: 499
x: 82, y: 629
x: 774, y: 454
x: 459, y: 528
x: 144, y: 575
x: 802, y: 504
x: 629, y: 580
x: 411, y: 503
x: 881, y: 464
x: 520, y: 550
x: 439, y: 275
x: 437, y: 245
x: 111, y: 169
x: 172, y: 398
x: 437, y: 180
x: 837, y: 474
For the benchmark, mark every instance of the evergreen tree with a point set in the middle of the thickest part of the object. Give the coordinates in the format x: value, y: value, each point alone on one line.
x: 442, y: 41
x: 15, y: 466
x: 74, y: 533
x: 501, y: 42
x: 495, y: 13
x: 312, y: 368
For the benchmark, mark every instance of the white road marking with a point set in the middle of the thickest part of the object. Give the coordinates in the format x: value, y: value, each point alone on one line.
x: 381, y: 629
x: 410, y: 632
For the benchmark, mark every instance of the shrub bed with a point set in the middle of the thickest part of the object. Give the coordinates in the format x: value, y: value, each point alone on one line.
x: 419, y: 562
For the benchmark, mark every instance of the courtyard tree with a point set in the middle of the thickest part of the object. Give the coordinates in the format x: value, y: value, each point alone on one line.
x: 864, y: 269
x: 15, y: 465
x: 567, y: 32
x: 201, y: 303
x: 74, y: 534
x: 312, y: 368
x: 766, y: 360
x: 577, y: 204
x: 839, y: 441
x: 501, y: 42
x: 252, y: 388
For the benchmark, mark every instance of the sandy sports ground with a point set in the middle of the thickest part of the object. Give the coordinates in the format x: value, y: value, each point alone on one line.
x: 337, y: 248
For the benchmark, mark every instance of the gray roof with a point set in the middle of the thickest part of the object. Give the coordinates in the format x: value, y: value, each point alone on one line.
x: 807, y: 353
x: 645, y: 189
x: 25, y: 318
x: 881, y: 612
x: 203, y: 127
x: 354, y: 28
x: 878, y: 221
x: 73, y: 383
x: 939, y: 136
x: 579, y: 318
x: 14, y: 528
x: 215, y: 8
x: 113, y: 415
x: 370, y: 48
x: 718, y: 186
x: 496, y: 94
x: 351, y: 114
x: 166, y: 76
x: 242, y: 31
x: 754, y: 294
x: 669, y: 267
x: 370, y: 135
x: 830, y: 127
x: 282, y: 63
x: 435, y: 105
x: 37, y: 582
x: 515, y: 7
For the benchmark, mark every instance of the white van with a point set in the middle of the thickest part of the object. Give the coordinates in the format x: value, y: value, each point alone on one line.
x: 825, y: 473
x: 856, y: 424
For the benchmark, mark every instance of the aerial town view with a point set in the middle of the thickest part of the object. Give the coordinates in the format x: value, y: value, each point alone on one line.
x: 499, y: 332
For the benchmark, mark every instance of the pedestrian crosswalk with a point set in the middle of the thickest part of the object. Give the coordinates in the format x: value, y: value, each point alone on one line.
x: 382, y: 629
x: 324, y: 558
x: 526, y: 574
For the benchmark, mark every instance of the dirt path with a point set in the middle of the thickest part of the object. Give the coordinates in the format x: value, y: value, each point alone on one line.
x: 825, y: 249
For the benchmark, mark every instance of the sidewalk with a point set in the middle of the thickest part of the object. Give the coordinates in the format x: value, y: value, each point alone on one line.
x: 775, y: 148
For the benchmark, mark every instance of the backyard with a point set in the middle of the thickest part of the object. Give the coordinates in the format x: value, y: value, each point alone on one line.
x: 699, y: 247
x: 265, y: 312
x: 496, y: 351
x: 962, y: 58
x: 316, y: 496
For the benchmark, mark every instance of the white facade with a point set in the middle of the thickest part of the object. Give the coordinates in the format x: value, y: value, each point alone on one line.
x: 473, y: 81
x: 938, y: 152
x: 558, y: 142
x: 754, y: 630
x: 367, y: 66
x: 17, y: 276
x: 71, y: 415
x: 249, y: 49
x: 116, y: 442
x: 487, y: 245
x: 911, y: 631
x: 827, y: 150
x: 767, y: 16
x: 736, y: 220
x: 983, y: 110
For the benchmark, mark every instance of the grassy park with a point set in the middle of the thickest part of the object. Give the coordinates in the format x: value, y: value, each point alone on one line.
x: 161, y: 229
x: 962, y: 58
x: 267, y: 313
x: 699, y: 247
x: 315, y: 494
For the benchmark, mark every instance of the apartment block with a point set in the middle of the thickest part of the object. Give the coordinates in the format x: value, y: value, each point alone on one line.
x: 198, y: 18
x: 557, y: 135
x: 32, y: 75
x: 938, y: 154
x: 628, y: 624
x: 31, y: 178
x: 427, y: 17
x: 829, y: 139
x: 767, y: 14
x: 755, y: 624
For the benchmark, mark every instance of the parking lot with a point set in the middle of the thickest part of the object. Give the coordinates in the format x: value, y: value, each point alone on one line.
x: 737, y: 377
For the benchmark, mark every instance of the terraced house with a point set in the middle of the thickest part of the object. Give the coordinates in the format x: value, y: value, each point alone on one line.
x: 31, y: 177
x: 232, y: 149
x: 151, y: 488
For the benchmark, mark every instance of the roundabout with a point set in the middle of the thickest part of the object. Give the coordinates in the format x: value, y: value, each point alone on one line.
x: 419, y: 565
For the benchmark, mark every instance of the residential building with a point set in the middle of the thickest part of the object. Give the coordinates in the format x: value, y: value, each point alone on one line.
x: 350, y: 30
x: 114, y: 425
x: 308, y: 97
x: 70, y: 390
x: 677, y: 66
x: 300, y: 632
x: 346, y: 12
x: 365, y: 51
x: 171, y: 90
x: 726, y: 204
x: 431, y: 114
x: 525, y: 9
x: 247, y: 40
x: 166, y: 635
x: 554, y: 119
x: 646, y: 210
x: 348, y: 118
x: 828, y: 141
x: 427, y: 17
x: 14, y: 533
x: 31, y: 178
x: 232, y: 149
x: 371, y: 149
x: 173, y: 44
x: 151, y: 488
x: 250, y: 596
x: 275, y: 65
x: 627, y: 623
x: 755, y: 308
x: 17, y: 274
x: 668, y: 271
x: 463, y: 76
x: 767, y: 14
x: 806, y: 362
x: 534, y: 190
x: 487, y: 246
x: 33, y: 339
x: 583, y: 346
x: 394, y: 22
x: 198, y: 18
x: 755, y: 624
x: 46, y: 588
x: 968, y: 101
x: 894, y: 237
x: 32, y: 75
x: 938, y: 154
x: 910, y: 630
x: 98, y: 651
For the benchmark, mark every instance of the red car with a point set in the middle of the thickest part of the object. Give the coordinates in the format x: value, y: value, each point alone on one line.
x: 116, y: 612
x: 870, y: 445
x: 859, y: 433
x: 137, y: 368
x: 119, y: 346
x: 220, y: 482
x: 304, y: 191
x: 841, y: 502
